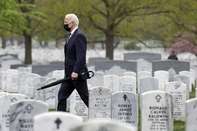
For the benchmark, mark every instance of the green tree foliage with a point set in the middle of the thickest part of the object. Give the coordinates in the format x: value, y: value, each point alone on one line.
x: 10, y: 18
x: 21, y: 17
x: 111, y: 17
x: 33, y: 19
x: 184, y: 16
x: 55, y: 12
x: 102, y: 20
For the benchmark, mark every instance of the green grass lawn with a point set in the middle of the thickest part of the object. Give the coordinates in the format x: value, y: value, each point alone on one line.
x: 179, y: 126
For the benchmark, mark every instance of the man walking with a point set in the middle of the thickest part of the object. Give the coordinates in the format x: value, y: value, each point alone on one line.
x: 75, y: 63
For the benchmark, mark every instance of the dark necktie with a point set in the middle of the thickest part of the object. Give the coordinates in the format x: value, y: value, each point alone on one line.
x: 68, y: 37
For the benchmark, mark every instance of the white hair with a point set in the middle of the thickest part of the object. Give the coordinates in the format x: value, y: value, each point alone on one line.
x: 73, y: 18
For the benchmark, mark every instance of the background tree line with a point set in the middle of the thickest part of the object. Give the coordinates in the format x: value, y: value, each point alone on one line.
x: 105, y: 21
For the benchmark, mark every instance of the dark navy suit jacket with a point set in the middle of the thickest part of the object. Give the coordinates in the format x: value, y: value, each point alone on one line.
x: 75, y: 53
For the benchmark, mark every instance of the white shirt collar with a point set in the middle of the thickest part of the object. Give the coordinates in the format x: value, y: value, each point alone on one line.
x: 71, y: 33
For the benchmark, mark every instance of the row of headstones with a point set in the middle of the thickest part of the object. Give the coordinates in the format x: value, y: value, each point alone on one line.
x: 25, y: 82
x: 156, y: 111
x: 109, y: 102
x: 177, y: 89
x: 17, y: 116
x: 129, y: 81
x: 142, y: 65
x: 158, y: 108
x: 76, y: 106
x: 49, y: 95
x: 17, y: 113
x: 6, y: 60
x: 30, y: 82
x: 129, y: 56
x: 102, y: 101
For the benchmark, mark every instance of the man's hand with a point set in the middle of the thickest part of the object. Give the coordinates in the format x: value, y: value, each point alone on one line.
x: 74, y: 76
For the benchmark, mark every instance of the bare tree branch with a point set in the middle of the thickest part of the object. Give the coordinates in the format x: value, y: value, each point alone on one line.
x: 106, y: 3
x: 99, y: 11
x: 96, y: 25
x: 181, y: 24
x: 152, y: 13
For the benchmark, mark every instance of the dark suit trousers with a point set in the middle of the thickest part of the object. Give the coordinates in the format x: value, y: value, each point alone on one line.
x: 67, y: 88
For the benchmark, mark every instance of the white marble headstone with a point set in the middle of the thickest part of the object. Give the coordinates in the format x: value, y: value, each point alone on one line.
x: 125, y: 107
x: 3, y: 77
x: 172, y: 74
x: 6, y: 64
x: 56, y: 121
x: 144, y: 74
x: 5, y: 101
x: 185, y: 80
x: 99, y: 103
x: 2, y: 93
x: 115, y: 70
x: 104, y: 125
x: 163, y: 77
x: 25, y: 69
x: 191, y: 77
x: 144, y: 65
x: 97, y: 80
x: 49, y: 95
x: 191, y: 115
x: 28, y: 83
x: 11, y: 80
x: 148, y: 84
x: 77, y: 106
x: 14, y: 97
x: 129, y: 73
x: 178, y: 90
x: 156, y: 111
x: 22, y: 113
x: 58, y: 74
x: 128, y: 83
x: 111, y: 82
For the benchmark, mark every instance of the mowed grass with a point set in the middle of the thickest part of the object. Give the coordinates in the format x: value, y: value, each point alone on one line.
x: 179, y: 126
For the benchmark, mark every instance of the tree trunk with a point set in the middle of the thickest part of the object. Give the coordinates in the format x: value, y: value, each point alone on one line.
x: 103, y: 46
x: 58, y: 43
x: 40, y: 42
x: 109, y: 40
x: 12, y: 40
x: 46, y: 44
x: 28, y: 48
x: 3, y: 42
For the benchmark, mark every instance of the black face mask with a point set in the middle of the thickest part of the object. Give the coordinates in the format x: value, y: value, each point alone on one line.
x: 66, y: 27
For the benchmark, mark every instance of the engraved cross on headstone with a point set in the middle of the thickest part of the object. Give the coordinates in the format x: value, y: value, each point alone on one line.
x: 58, y: 122
x: 125, y: 97
x: 158, y: 98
